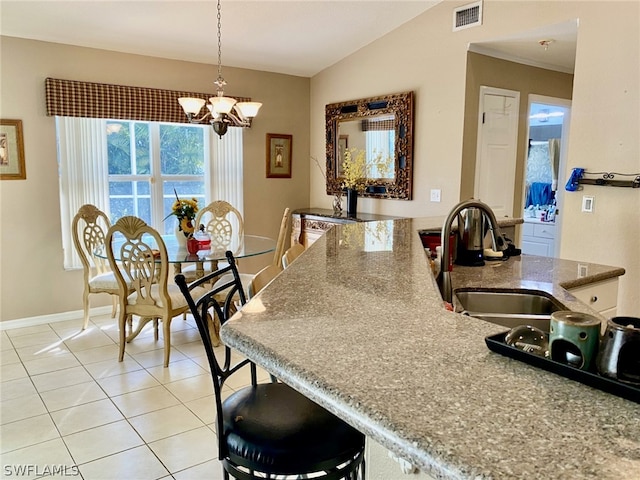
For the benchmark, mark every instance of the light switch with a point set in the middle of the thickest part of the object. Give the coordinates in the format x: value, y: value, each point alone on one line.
x: 587, y: 203
x: 435, y: 194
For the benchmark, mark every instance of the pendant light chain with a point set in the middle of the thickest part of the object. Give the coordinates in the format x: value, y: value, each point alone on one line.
x: 220, y: 80
x: 222, y: 111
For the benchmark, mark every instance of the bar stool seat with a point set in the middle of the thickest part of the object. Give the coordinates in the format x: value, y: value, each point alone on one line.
x: 266, y: 430
x: 262, y: 431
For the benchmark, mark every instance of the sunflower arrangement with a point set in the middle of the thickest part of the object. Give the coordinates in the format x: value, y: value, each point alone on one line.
x: 185, y: 211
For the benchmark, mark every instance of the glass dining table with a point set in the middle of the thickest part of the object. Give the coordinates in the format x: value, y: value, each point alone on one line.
x: 242, y: 246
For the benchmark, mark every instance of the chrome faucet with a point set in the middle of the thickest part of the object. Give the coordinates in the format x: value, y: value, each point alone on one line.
x: 499, y: 245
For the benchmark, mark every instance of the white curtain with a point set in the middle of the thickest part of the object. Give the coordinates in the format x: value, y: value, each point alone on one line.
x: 226, y: 171
x: 379, y: 143
x: 82, y: 157
x: 554, y: 158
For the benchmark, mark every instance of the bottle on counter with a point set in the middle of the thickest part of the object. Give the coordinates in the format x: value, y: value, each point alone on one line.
x: 551, y: 213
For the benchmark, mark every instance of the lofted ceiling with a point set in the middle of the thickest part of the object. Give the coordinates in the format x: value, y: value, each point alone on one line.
x: 296, y: 37
x: 293, y: 37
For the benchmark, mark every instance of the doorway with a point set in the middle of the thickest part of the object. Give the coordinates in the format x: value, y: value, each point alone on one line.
x: 496, y: 149
x: 548, y: 127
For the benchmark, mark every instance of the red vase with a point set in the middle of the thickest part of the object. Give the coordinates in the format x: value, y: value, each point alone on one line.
x: 192, y: 245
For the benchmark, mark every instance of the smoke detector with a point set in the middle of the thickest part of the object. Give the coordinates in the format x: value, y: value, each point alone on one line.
x: 545, y: 43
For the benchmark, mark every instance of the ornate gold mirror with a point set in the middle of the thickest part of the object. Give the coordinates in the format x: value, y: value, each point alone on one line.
x: 382, y: 127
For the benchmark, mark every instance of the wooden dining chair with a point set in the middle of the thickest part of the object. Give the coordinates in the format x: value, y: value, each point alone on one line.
x: 262, y: 279
x: 267, y: 430
x: 88, y: 230
x: 224, y: 223
x: 282, y: 237
x: 254, y: 282
x: 143, y: 263
x: 291, y: 254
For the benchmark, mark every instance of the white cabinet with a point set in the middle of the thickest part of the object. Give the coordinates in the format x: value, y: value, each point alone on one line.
x: 538, y: 238
x: 601, y: 296
x: 383, y: 465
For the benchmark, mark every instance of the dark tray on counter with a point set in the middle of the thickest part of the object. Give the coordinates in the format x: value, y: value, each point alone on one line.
x: 497, y: 344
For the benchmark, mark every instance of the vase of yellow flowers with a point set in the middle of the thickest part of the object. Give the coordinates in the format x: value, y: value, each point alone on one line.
x: 352, y: 202
x: 353, y: 177
x: 185, y: 212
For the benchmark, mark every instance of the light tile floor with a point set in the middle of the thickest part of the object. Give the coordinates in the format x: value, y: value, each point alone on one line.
x: 69, y: 409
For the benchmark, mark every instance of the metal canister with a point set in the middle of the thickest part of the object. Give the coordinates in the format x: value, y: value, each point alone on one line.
x: 619, y: 356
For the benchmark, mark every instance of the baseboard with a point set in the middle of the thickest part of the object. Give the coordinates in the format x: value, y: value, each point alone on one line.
x: 52, y: 318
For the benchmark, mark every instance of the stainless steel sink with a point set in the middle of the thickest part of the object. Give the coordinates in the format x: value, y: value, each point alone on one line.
x: 507, y: 307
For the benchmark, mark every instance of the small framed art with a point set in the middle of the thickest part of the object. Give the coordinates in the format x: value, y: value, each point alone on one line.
x: 278, y: 155
x: 11, y: 150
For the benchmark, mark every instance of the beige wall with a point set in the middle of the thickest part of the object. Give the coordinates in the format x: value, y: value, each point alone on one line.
x: 32, y: 279
x: 427, y: 57
x: 494, y: 72
x: 423, y: 56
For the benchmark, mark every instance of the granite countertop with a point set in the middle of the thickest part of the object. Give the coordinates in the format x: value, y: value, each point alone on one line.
x: 325, y: 213
x: 356, y: 323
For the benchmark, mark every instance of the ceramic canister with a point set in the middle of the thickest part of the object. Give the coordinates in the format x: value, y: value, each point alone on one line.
x: 574, y: 338
x: 619, y: 355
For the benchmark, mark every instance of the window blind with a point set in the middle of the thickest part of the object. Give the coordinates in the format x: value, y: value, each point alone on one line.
x: 72, y: 98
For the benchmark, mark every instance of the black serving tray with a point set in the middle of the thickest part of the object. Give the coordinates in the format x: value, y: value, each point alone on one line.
x: 497, y: 344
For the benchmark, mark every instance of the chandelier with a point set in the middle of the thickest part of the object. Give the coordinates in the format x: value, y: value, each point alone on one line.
x: 224, y: 111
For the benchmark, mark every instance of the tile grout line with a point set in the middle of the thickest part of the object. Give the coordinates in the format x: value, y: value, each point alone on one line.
x: 110, y: 397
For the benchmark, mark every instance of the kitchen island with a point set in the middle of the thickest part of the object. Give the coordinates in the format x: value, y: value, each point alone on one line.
x: 357, y: 324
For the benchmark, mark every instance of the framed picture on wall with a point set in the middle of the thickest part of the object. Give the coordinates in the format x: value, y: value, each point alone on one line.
x: 11, y: 150
x: 278, y: 155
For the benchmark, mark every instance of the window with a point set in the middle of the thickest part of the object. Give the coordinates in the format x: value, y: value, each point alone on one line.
x: 149, y: 163
x: 137, y: 168
x: 380, y: 148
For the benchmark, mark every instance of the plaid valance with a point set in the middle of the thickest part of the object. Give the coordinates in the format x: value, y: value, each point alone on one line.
x: 71, y: 98
x: 384, y: 124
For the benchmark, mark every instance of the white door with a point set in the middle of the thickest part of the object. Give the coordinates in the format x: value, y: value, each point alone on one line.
x: 496, y: 152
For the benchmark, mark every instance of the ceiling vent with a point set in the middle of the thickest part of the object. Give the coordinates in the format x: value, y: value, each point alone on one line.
x: 467, y: 16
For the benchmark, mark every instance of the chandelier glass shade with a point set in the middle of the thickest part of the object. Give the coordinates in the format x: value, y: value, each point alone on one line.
x: 223, y: 111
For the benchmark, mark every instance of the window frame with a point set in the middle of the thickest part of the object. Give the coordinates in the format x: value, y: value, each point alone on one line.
x: 84, y: 179
x: 156, y: 178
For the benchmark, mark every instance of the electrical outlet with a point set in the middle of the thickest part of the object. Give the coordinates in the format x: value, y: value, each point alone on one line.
x: 587, y: 203
x: 435, y: 194
x: 583, y: 270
